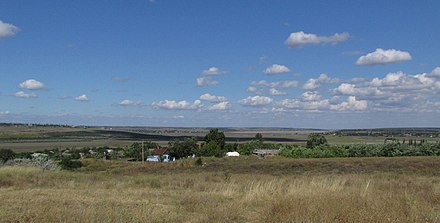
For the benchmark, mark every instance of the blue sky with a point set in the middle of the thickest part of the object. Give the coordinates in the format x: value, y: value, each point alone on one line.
x: 307, y: 64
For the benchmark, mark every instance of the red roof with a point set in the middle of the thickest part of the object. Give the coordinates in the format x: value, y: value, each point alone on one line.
x: 160, y: 151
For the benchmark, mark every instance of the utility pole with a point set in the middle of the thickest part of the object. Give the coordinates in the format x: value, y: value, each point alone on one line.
x: 143, y: 157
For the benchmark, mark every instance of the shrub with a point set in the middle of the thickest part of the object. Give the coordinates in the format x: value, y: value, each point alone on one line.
x: 6, y: 154
x: 69, y: 164
x: 199, y: 162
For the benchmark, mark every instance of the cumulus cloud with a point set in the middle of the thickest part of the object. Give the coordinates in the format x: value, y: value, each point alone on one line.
x: 254, y: 89
x: 352, y: 104
x: 127, y: 102
x: 276, y: 92
x: 22, y: 94
x: 311, y: 96
x: 436, y: 72
x: 256, y: 101
x: 82, y: 98
x: 224, y: 105
x: 276, y: 69
x: 259, y: 87
x: 278, y: 84
x: 316, y: 83
x: 205, y: 81
x: 299, y: 39
x: 381, y: 56
x: 214, y: 98
x: 212, y: 71
x: 394, y: 92
x: 7, y: 29
x: 31, y: 84
x: 206, y: 77
x: 177, y: 105
x: 305, y: 105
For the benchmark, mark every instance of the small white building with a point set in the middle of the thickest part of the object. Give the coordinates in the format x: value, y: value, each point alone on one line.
x: 232, y: 154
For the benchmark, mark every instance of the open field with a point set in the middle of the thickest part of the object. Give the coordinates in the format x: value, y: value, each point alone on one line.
x: 34, y: 137
x: 245, y: 189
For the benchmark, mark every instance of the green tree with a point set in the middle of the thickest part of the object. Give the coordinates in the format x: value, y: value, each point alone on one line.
x: 6, y: 154
x: 259, y: 137
x: 249, y: 147
x: 216, y: 136
x: 212, y: 148
x: 316, y: 139
x: 181, y: 149
x: 135, y: 150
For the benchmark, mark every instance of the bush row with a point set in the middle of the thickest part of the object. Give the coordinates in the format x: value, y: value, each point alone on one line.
x: 360, y: 150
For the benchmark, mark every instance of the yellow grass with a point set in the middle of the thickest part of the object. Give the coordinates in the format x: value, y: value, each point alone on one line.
x: 198, y: 195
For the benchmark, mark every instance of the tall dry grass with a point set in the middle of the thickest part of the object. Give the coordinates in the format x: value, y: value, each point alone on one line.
x: 32, y: 195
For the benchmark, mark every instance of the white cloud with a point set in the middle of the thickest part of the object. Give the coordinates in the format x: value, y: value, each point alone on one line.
x: 381, y: 56
x: 178, y: 117
x: 7, y: 29
x: 284, y: 84
x: 322, y: 79
x: 212, y: 71
x: 256, y: 101
x: 259, y: 87
x: 346, y: 88
x: 299, y: 39
x: 279, y: 84
x: 82, y: 98
x: 254, y: 89
x: 224, y: 105
x: 31, y: 84
x: 311, y: 96
x: 311, y: 84
x: 278, y: 110
x: 4, y: 113
x: 128, y: 102
x: 177, y: 105
x: 394, y: 92
x: 276, y: 69
x: 436, y: 72
x: 205, y: 81
x: 276, y: 92
x: 351, y: 104
x: 22, y: 94
x: 205, y: 78
x: 305, y: 105
x: 209, y: 97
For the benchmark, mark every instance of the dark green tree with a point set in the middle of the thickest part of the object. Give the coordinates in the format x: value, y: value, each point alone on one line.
x: 259, y: 137
x: 211, y: 149
x: 6, y: 154
x: 182, y: 148
x: 216, y: 136
x: 315, y: 139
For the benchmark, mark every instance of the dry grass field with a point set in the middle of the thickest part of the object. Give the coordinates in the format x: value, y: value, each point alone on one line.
x: 246, y: 189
